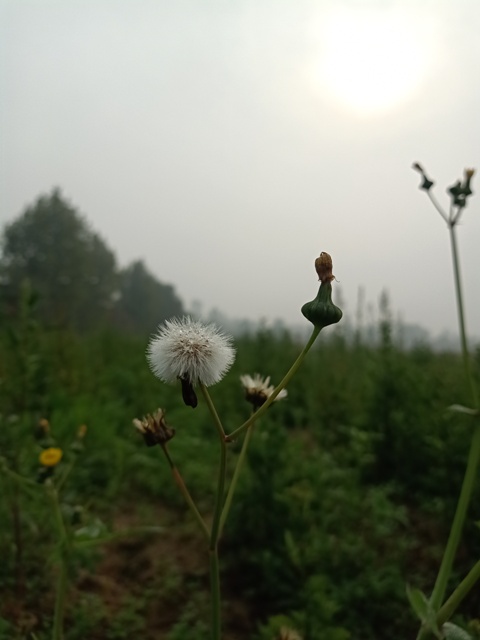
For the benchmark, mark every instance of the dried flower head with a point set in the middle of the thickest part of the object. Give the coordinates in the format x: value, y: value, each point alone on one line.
x: 44, y: 425
x: 154, y: 428
x: 461, y: 190
x: 426, y: 184
x: 190, y: 350
x: 258, y: 389
x: 50, y: 457
x: 42, y: 429
x: 324, y: 266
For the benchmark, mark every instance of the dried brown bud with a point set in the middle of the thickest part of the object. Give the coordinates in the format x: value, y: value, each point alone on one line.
x: 323, y: 267
x: 154, y: 428
x: 44, y: 425
x: 469, y: 173
x: 82, y: 431
x: 42, y: 430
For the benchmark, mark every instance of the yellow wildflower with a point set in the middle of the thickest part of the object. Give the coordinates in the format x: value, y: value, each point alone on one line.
x: 50, y: 457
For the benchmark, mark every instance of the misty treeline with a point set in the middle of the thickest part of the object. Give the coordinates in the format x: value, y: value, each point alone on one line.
x: 73, y: 274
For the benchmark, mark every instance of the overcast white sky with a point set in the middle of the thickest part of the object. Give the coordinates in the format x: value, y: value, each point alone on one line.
x: 227, y: 143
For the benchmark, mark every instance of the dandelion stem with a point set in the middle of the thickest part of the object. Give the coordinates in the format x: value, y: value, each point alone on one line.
x: 288, y: 376
x: 216, y: 594
x: 66, y: 473
x: 60, y: 602
x: 185, y: 493
x: 214, y: 537
x: 236, y: 475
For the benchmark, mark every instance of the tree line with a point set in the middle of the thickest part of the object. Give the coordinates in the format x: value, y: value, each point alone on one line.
x: 73, y: 275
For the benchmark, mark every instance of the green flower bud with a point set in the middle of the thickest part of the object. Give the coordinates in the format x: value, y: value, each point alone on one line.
x: 321, y: 312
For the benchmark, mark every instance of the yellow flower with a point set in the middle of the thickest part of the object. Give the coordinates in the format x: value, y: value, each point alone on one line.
x: 51, y: 457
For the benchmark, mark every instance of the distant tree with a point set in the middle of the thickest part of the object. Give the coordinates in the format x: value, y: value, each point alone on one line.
x: 143, y: 301
x: 68, y: 266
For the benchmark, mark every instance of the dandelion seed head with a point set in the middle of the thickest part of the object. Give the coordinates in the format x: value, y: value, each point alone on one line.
x: 188, y: 349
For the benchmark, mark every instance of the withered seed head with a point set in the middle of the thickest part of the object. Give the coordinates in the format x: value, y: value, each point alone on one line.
x: 154, y: 428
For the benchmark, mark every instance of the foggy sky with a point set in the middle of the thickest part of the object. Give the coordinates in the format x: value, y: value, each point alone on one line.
x: 195, y: 136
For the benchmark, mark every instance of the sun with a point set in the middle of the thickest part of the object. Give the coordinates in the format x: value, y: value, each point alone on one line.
x: 371, y: 60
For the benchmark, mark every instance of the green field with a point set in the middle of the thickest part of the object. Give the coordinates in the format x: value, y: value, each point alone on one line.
x: 347, y: 495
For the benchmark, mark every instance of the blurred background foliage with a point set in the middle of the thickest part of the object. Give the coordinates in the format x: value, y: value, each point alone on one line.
x: 347, y: 495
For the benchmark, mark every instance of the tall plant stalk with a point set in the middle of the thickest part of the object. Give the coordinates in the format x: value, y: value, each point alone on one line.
x: 459, y: 193
x: 473, y: 460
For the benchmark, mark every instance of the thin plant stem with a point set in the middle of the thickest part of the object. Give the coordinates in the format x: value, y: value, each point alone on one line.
x: 474, y: 454
x: 66, y: 473
x: 57, y: 633
x: 185, y: 493
x: 25, y: 483
x: 215, y: 594
x: 459, y: 594
x: 461, y: 317
x: 236, y: 475
x: 437, y: 206
x: 458, y: 521
x: 288, y: 376
x: 215, y: 534
x: 18, y: 540
x: 60, y: 602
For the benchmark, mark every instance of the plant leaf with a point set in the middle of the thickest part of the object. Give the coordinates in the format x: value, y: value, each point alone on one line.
x: 419, y: 603
x: 459, y: 408
x: 452, y: 632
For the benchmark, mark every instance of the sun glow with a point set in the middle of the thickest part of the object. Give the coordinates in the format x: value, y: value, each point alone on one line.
x: 372, y: 60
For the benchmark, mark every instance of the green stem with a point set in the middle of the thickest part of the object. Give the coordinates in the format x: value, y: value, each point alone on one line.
x: 236, y: 475
x: 288, y: 376
x: 474, y: 453
x: 458, y: 521
x: 185, y: 493
x: 66, y: 473
x: 60, y: 602
x: 215, y: 594
x: 25, y: 483
x: 459, y: 594
x: 214, y: 537
x: 57, y: 633
x: 461, y: 317
x: 437, y: 206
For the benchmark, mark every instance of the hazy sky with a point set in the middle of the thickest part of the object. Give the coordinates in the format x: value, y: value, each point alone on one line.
x: 227, y: 143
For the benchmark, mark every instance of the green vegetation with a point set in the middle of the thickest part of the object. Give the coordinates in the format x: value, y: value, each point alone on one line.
x: 346, y: 496
x: 347, y: 493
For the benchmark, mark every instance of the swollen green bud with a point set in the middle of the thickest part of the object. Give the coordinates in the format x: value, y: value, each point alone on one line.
x: 321, y: 312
